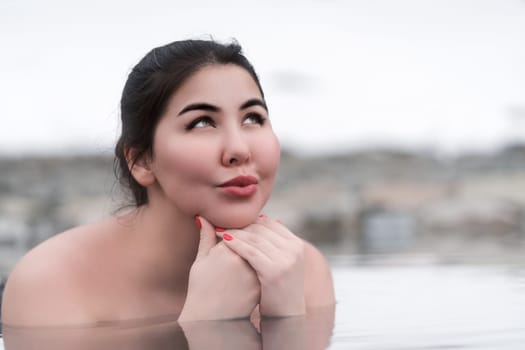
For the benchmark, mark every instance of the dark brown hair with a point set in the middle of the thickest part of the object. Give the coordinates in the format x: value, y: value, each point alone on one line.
x: 148, y: 89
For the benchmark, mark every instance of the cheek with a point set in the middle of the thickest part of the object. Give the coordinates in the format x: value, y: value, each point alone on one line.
x: 181, y: 163
x: 269, y: 153
x: 183, y: 175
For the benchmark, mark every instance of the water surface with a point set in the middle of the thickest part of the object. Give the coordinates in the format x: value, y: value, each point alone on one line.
x: 429, y: 307
x: 379, y: 306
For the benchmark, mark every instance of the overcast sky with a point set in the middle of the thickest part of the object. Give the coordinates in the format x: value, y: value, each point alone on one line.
x: 439, y: 74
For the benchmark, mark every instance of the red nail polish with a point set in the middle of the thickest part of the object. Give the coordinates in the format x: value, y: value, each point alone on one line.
x: 227, y: 237
x: 198, y: 221
x: 219, y: 229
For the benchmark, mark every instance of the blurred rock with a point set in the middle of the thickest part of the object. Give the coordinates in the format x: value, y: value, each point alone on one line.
x: 491, y: 217
x: 360, y: 202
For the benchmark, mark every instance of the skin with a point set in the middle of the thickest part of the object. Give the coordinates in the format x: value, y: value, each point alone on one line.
x: 309, y: 332
x: 156, y: 260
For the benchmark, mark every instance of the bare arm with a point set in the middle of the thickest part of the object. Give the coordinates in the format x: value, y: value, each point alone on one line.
x: 39, y: 292
x: 319, y: 286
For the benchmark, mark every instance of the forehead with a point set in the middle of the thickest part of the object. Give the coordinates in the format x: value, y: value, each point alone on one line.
x: 219, y: 84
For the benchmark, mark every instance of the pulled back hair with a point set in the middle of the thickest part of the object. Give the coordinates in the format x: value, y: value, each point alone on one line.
x: 148, y: 89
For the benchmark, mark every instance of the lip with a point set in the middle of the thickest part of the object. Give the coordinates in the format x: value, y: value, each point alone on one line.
x: 240, y: 181
x: 240, y: 186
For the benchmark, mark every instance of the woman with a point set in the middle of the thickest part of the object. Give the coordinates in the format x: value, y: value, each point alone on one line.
x: 199, y: 156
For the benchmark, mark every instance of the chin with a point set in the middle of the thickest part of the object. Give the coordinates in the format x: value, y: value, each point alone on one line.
x: 233, y: 220
x: 234, y: 215
x: 234, y: 223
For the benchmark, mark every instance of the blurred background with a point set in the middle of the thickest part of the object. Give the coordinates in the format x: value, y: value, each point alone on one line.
x: 402, y: 122
x: 402, y: 125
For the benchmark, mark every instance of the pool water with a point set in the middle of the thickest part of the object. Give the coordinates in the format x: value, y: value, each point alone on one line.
x: 429, y: 307
x: 379, y: 306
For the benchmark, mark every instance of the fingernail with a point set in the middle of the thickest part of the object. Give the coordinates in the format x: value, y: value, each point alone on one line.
x: 198, y: 221
x: 262, y: 216
x: 219, y: 229
x: 227, y: 237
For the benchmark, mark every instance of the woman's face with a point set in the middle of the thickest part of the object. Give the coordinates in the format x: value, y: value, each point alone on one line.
x: 214, y: 151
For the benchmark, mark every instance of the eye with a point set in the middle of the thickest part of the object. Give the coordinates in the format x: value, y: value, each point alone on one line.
x: 200, y: 122
x: 254, y: 118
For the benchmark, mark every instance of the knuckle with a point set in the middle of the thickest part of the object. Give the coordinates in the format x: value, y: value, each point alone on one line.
x: 251, y: 251
x: 253, y: 239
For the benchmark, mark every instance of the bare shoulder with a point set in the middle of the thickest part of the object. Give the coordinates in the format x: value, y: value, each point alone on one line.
x: 319, y: 286
x: 43, y: 287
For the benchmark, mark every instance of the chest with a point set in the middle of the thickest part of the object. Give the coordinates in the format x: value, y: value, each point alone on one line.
x: 117, y: 294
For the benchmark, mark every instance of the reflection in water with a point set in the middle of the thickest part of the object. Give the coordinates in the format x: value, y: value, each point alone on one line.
x: 162, y: 335
x: 306, y: 332
x: 396, y: 303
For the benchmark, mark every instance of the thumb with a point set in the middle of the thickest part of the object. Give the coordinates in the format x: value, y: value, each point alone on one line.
x: 207, y: 237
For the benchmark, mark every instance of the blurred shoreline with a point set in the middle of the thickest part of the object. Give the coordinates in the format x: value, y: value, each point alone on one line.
x: 375, y: 203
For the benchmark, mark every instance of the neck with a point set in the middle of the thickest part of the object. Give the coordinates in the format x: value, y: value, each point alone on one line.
x: 164, y: 244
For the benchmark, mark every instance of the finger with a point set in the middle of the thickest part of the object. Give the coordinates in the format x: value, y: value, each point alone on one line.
x: 255, y: 254
x: 288, y: 244
x: 271, y: 230
x: 219, y: 231
x: 275, y: 226
x: 207, y: 237
x: 268, y: 241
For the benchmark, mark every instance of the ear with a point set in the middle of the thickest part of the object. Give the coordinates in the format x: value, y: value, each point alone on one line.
x: 140, y: 168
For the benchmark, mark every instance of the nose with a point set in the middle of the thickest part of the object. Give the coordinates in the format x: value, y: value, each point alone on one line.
x: 236, y: 149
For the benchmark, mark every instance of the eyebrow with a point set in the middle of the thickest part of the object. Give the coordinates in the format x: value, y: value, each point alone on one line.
x: 201, y: 106
x: 254, y: 102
